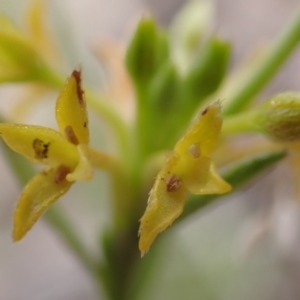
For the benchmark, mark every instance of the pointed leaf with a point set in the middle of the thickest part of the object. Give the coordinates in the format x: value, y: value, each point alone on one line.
x: 39, y: 144
x: 38, y: 195
x: 71, y: 111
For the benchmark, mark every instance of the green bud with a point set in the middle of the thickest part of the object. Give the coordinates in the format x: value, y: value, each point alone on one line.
x: 189, y: 29
x: 279, y: 117
x: 208, y: 70
x: 146, y: 51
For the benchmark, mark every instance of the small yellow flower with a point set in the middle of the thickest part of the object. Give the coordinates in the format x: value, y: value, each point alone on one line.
x: 66, y: 154
x: 188, y: 169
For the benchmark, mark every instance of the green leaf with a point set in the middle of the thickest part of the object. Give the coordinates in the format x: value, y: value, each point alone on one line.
x: 237, y: 174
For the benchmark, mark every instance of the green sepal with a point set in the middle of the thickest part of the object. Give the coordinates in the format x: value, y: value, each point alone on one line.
x: 146, y: 51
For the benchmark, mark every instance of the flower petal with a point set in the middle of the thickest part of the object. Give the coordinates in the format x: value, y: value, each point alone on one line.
x: 83, y: 170
x: 165, y: 204
x: 38, y: 195
x: 203, y: 134
x: 200, y: 176
x: 39, y: 144
x: 209, y: 182
x: 38, y: 30
x: 71, y: 111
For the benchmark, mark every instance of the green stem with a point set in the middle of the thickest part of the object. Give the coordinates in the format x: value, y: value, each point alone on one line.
x: 57, y: 219
x: 115, y: 121
x: 281, y: 50
x: 243, y: 122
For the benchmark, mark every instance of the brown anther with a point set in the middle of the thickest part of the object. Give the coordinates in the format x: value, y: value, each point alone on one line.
x: 71, y: 136
x: 173, y: 183
x: 61, y: 174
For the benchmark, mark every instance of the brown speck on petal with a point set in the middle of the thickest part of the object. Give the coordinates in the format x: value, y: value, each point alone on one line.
x: 195, y: 151
x: 173, y: 183
x: 71, y: 136
x: 77, y: 76
x: 40, y: 149
x: 204, y: 111
x: 61, y: 174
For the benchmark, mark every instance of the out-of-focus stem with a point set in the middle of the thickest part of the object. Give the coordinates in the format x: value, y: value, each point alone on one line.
x: 240, y: 123
x: 277, y: 55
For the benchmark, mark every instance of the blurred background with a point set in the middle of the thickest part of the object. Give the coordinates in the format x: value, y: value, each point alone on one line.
x: 213, y: 255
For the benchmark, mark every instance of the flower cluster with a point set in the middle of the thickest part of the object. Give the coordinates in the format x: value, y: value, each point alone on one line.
x: 65, y: 152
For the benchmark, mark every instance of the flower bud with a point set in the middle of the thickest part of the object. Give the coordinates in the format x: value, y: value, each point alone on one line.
x: 280, y: 117
x: 208, y: 70
x: 188, y: 31
x: 146, y: 51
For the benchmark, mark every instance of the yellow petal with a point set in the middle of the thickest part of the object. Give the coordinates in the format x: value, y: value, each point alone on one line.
x: 83, y: 170
x: 38, y: 195
x: 38, y: 30
x: 199, y: 175
x: 71, y: 111
x: 165, y: 204
x: 203, y: 134
x: 209, y: 183
x: 189, y: 169
x: 39, y: 144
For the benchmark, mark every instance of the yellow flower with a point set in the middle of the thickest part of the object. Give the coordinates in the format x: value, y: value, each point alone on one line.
x: 66, y: 154
x: 188, y: 169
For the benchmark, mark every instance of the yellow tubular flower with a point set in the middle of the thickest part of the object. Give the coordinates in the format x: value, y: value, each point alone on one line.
x: 65, y: 153
x: 188, y: 169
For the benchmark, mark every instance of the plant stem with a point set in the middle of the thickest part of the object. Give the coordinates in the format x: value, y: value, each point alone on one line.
x: 240, y: 123
x: 280, y: 51
x: 119, y: 127
x: 57, y: 219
